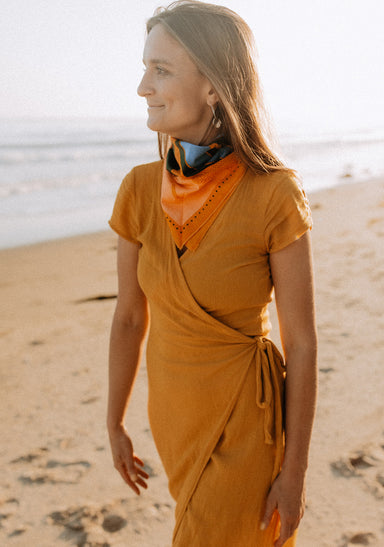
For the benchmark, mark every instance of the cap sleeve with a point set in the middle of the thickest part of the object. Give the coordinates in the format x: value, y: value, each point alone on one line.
x: 124, y: 214
x: 288, y: 215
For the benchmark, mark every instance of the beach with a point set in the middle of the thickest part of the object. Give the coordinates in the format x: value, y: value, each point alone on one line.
x: 58, y: 484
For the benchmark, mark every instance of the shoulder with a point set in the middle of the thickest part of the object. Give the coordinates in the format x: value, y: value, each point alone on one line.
x: 285, y: 184
x: 136, y: 199
x: 146, y: 171
x: 141, y: 182
x: 273, y: 187
x: 280, y: 186
x: 272, y: 179
x: 281, y: 181
x: 287, y: 215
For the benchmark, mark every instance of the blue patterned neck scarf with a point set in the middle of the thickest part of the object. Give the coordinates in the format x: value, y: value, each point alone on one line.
x: 190, y: 159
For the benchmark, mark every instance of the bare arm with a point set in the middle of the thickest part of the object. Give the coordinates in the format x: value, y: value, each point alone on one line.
x: 293, y: 280
x: 129, y: 326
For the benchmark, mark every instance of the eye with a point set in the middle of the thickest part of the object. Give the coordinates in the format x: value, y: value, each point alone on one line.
x: 161, y: 71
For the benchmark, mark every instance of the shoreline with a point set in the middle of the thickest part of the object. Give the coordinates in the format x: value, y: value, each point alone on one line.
x: 57, y: 480
x: 344, y: 181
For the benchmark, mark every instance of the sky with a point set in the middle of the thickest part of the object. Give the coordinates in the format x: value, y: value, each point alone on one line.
x: 321, y: 62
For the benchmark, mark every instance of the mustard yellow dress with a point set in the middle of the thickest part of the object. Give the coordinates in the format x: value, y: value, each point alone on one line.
x: 216, y: 383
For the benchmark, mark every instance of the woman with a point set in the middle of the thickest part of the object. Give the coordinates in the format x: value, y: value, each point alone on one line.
x: 205, y: 236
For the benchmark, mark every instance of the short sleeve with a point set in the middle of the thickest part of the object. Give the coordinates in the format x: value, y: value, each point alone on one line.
x: 288, y: 215
x: 124, y: 214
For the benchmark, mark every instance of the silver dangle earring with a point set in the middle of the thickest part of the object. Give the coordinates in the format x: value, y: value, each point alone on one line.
x: 215, y: 121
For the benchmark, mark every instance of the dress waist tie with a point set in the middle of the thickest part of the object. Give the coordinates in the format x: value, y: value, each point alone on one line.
x: 269, y: 394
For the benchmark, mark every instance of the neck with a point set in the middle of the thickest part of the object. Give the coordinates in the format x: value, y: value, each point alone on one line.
x: 211, y: 133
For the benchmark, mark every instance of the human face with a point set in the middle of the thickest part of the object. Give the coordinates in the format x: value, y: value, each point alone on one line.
x: 177, y: 94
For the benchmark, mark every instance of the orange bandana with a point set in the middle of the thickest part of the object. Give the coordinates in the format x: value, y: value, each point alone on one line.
x: 191, y: 204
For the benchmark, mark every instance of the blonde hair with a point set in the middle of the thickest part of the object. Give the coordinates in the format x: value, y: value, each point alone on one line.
x: 221, y: 44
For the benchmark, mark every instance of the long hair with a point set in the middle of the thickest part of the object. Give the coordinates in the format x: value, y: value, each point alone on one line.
x: 221, y: 44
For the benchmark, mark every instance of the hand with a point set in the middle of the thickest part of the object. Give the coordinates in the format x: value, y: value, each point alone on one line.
x: 287, y: 496
x: 125, y: 461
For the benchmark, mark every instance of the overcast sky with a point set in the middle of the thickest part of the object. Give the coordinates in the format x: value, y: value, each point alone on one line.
x: 321, y: 61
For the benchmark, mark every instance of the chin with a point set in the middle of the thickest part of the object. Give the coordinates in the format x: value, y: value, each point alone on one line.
x: 151, y: 124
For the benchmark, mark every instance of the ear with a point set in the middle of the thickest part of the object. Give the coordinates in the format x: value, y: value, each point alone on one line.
x: 212, y: 98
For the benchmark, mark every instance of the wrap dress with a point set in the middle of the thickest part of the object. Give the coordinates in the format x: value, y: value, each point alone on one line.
x: 216, y: 382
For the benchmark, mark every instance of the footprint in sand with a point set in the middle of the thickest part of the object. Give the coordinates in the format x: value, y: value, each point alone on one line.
x: 361, y: 538
x: 64, y: 473
x: 65, y: 443
x: 36, y: 342
x: 153, y: 469
x: 4, y: 516
x: 367, y: 464
x: 92, y: 526
x: 85, y: 525
x: 17, y: 532
x: 32, y: 456
x: 9, y: 517
x: 97, y: 298
x: 50, y: 471
x: 90, y: 400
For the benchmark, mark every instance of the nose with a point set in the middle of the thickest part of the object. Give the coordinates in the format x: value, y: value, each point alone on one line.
x: 144, y: 87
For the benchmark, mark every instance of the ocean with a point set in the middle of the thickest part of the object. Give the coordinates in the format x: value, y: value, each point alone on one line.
x: 60, y: 177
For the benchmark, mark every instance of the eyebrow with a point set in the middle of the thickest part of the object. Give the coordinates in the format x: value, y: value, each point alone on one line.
x: 158, y: 62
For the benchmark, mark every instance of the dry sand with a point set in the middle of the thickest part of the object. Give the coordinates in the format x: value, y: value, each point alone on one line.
x: 57, y: 483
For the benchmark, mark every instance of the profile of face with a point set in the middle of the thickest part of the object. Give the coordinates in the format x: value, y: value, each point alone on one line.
x: 179, y: 97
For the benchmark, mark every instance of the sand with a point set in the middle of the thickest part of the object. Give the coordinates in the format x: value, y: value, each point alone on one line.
x: 57, y: 483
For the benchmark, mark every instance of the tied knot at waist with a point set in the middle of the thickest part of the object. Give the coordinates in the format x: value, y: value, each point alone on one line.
x: 268, y: 387
x: 262, y: 343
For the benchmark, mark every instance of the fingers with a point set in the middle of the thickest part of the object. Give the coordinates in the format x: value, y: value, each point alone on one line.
x: 126, y: 462
x: 271, y: 505
x: 142, y: 483
x: 289, y: 523
x: 138, y: 460
x: 130, y: 468
x: 134, y: 478
x: 135, y: 485
x: 142, y: 473
x: 286, y: 531
x: 134, y: 471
